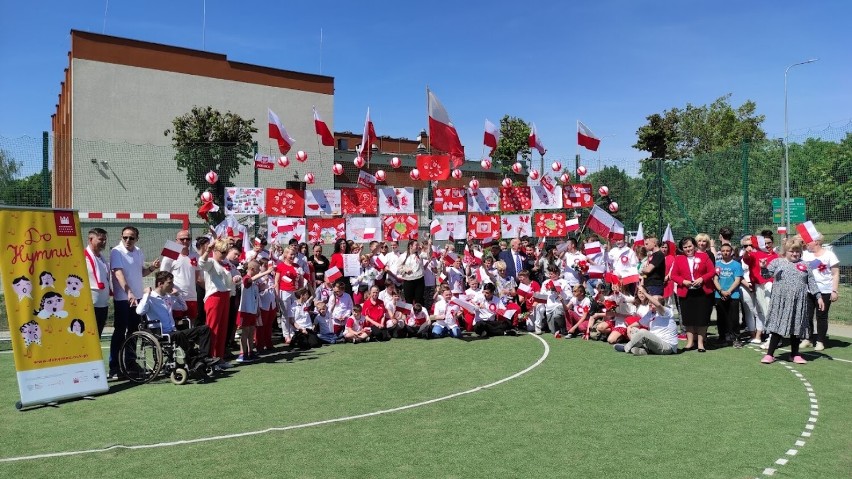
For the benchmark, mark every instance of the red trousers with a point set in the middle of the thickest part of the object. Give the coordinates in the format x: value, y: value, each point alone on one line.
x: 263, y: 333
x: 216, y: 308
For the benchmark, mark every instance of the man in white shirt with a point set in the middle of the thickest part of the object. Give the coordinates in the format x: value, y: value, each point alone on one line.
x: 98, y: 267
x: 571, y: 257
x: 159, y: 305
x: 488, y: 320
x: 340, y: 303
x: 622, y: 258
x: 186, y: 274
x: 128, y: 268
x: 661, y: 335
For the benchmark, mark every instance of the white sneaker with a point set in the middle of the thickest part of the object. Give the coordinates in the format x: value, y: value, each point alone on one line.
x: 819, y: 346
x: 755, y: 341
x: 805, y: 344
x: 764, y: 345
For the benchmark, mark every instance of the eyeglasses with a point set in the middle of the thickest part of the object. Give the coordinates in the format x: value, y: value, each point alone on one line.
x: 183, y: 239
x: 128, y: 238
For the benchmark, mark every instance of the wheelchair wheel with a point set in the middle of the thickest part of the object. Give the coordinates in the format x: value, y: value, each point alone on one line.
x: 141, y: 357
x: 179, y: 376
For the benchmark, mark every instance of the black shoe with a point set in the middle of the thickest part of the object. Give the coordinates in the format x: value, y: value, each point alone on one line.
x: 511, y: 332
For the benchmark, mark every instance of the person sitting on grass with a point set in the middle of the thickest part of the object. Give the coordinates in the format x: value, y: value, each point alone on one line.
x: 355, y: 331
x: 656, y: 330
x: 445, y: 321
x: 417, y: 325
x: 329, y: 332
x: 578, y: 309
x: 305, y: 335
x: 618, y: 308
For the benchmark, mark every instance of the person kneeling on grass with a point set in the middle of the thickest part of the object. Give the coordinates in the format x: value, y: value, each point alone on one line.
x: 158, y: 304
x: 660, y: 337
x: 355, y: 331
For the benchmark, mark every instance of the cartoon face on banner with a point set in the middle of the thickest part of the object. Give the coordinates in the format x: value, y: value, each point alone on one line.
x: 452, y: 226
x: 578, y: 196
x: 326, y: 230
x: 544, y: 198
x: 515, y: 198
x: 363, y: 230
x: 449, y: 200
x: 245, y: 201
x: 483, y: 200
x: 515, y: 226
x: 281, y: 230
x: 550, y: 225
x: 285, y: 202
x: 322, y: 203
x: 484, y: 226
x: 396, y: 200
x: 364, y: 201
x: 399, y: 227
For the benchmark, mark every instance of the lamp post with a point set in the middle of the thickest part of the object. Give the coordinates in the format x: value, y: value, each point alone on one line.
x: 786, y: 197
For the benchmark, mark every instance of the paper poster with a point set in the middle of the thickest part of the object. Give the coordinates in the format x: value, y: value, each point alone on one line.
x: 323, y: 203
x: 245, y: 201
x: 449, y: 200
x: 367, y: 180
x: 326, y: 230
x: 515, y: 198
x: 54, y: 334
x: 483, y: 200
x: 578, y: 196
x: 396, y: 200
x: 359, y: 201
x: 452, y: 227
x: 364, y: 230
x: 281, y: 230
x: 351, y: 265
x: 546, y: 199
x: 551, y: 225
x: 482, y: 226
x: 399, y: 227
x: 515, y: 226
x: 285, y: 202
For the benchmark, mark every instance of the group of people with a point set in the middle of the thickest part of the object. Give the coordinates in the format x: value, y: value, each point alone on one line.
x: 627, y: 295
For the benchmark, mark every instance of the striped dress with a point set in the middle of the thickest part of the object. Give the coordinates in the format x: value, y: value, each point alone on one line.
x: 790, y: 308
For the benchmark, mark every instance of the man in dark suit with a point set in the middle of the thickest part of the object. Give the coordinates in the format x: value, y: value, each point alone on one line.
x: 515, y: 259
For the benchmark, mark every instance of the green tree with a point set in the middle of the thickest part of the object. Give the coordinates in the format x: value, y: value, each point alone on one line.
x: 514, y: 138
x: 27, y: 191
x: 206, y: 140
x: 9, y: 169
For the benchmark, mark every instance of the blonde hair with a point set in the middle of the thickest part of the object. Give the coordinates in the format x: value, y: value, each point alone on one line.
x: 499, y: 265
x: 793, y: 244
x: 222, y: 245
x: 702, y: 237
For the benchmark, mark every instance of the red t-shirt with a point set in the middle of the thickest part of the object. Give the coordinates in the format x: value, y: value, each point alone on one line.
x: 376, y: 311
x: 753, y: 262
x: 287, y: 272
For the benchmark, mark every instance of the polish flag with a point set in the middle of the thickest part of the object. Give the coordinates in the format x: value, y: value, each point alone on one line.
x: 369, y: 234
x: 640, y: 236
x: 450, y: 258
x: 540, y: 297
x: 403, y: 307
x: 435, y: 227
x: 492, y: 136
x: 808, y: 231
x: 442, y: 132
x: 322, y: 130
x: 482, y: 275
x: 759, y: 242
x: 535, y: 141
x: 524, y: 289
x: 333, y: 273
x: 586, y: 138
x: 630, y: 277
x: 367, y: 138
x: 668, y: 238
x: 592, y: 248
x: 465, y: 305
x: 277, y: 132
x: 572, y: 224
x: 436, y: 252
x: 172, y: 249
x: 596, y: 271
x: 617, y: 232
x: 380, y: 262
x: 602, y: 223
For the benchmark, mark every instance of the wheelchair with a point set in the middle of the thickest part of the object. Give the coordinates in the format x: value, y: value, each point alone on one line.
x: 148, y: 353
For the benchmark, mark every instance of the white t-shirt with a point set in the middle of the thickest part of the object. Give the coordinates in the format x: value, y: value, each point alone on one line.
x: 623, y: 260
x: 662, y: 325
x: 821, y: 268
x: 446, y: 314
x: 569, y: 274
x: 183, y: 269
x: 100, y: 297
x: 487, y: 310
x: 131, y: 264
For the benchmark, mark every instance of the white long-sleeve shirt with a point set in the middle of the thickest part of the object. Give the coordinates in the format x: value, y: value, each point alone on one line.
x: 160, y: 308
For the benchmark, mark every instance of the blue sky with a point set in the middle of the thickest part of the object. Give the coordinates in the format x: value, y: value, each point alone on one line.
x: 607, y: 63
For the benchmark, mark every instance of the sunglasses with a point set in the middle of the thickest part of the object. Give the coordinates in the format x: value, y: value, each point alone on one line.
x: 129, y: 238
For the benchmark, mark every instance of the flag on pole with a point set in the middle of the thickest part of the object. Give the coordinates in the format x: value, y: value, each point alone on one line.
x: 535, y: 141
x: 435, y: 227
x: 604, y: 224
x: 367, y: 138
x: 639, y: 240
x: 442, y: 133
x: 333, y: 273
x: 572, y: 224
x: 586, y: 138
x: 592, y: 248
x: 279, y: 133
x: 322, y: 130
x: 172, y: 249
x: 808, y: 231
x: 492, y: 136
x: 759, y: 242
x: 668, y: 238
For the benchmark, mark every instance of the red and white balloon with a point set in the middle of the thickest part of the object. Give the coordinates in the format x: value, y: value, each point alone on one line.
x: 507, y: 182
x: 206, y: 197
x: 395, y: 162
x: 301, y: 156
x: 457, y: 174
x: 211, y: 177
x: 337, y: 169
x: 517, y: 168
x: 565, y: 178
x: 613, y: 207
x: 359, y: 162
x: 486, y: 164
x: 380, y: 175
x: 603, y: 191
x: 534, y: 174
x: 309, y: 178
x: 283, y: 162
x: 414, y: 174
x: 474, y: 184
x: 581, y: 170
x: 556, y: 166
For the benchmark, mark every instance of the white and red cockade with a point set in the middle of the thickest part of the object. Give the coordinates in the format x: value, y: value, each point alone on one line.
x: 534, y: 174
x: 565, y: 178
x: 207, y: 197
x: 457, y: 174
x: 358, y: 162
x: 414, y: 174
x: 486, y: 164
x: 474, y: 184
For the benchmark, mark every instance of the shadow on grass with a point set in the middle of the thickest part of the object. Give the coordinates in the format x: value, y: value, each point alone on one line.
x: 836, y: 343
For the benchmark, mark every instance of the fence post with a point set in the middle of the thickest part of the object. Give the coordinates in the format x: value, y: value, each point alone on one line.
x: 45, y: 171
x: 256, y: 181
x: 744, y: 157
x: 660, y: 231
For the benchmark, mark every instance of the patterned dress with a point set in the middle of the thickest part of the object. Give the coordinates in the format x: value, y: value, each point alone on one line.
x: 789, y: 305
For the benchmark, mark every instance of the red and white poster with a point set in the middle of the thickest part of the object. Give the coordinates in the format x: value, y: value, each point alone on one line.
x: 449, y: 200
x: 244, y: 201
x: 396, y: 200
x: 364, y: 201
x: 399, y: 227
x: 515, y: 198
x: 515, y: 226
x: 544, y: 198
x: 550, y: 225
x: 481, y: 226
x: 281, y: 230
x: 285, y: 202
x: 483, y: 200
x: 578, y: 196
x: 322, y: 203
x: 364, y: 229
x: 326, y: 230
x: 452, y: 226
x: 264, y: 162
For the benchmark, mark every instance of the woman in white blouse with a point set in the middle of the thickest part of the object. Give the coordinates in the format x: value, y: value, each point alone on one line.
x: 410, y: 271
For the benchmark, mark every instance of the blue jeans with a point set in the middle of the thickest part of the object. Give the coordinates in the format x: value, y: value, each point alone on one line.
x: 439, y: 331
x: 125, y: 322
x: 328, y: 338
